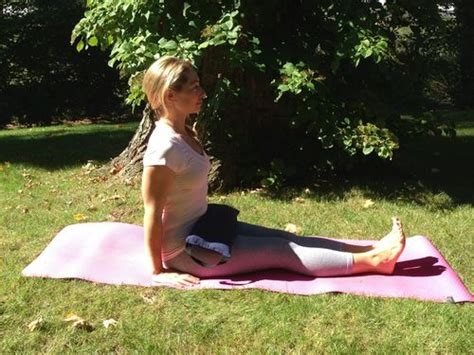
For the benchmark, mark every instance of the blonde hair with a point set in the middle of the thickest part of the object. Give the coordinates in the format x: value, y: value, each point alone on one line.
x: 167, y: 72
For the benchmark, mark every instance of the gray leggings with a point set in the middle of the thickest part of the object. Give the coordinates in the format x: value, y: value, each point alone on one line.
x: 258, y: 248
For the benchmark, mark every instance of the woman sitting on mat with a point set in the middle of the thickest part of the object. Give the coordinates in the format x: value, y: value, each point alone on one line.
x: 174, y: 191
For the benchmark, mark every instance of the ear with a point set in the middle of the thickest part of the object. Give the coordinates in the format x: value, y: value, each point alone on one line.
x: 170, y: 95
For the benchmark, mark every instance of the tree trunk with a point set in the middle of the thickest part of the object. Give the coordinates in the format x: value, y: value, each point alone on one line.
x: 128, y: 166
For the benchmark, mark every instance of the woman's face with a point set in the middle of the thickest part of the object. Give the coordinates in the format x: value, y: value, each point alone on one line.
x: 189, y: 99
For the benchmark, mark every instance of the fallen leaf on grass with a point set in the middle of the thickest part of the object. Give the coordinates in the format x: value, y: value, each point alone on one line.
x: 133, y: 181
x: 98, y: 178
x: 299, y: 199
x: 109, y: 322
x: 30, y: 183
x: 368, y: 203
x: 148, y: 298
x: 119, y: 213
x: 115, y: 169
x: 26, y: 174
x: 293, y: 228
x: 23, y: 209
x: 113, y: 197
x: 35, y: 324
x: 78, y: 322
x: 88, y: 168
x: 84, y: 121
x: 80, y: 217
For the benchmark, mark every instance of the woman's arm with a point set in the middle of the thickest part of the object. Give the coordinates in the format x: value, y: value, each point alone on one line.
x: 156, y: 182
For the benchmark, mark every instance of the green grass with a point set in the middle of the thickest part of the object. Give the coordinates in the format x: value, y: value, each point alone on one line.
x: 43, y: 187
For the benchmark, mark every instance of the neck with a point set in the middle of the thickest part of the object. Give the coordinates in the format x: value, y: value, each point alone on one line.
x: 176, y: 121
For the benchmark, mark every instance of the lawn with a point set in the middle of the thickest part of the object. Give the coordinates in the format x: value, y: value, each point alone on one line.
x: 46, y: 184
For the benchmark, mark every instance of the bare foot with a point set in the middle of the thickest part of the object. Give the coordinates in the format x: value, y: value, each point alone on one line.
x: 387, y: 250
x: 396, y: 234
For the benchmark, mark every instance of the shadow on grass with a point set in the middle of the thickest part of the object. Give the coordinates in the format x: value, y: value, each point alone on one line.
x: 436, y: 172
x: 62, y: 148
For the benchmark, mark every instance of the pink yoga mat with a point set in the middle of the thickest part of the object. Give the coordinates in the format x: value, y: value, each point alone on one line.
x: 114, y: 253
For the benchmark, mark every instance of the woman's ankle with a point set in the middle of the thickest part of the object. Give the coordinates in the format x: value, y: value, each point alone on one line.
x: 363, y: 262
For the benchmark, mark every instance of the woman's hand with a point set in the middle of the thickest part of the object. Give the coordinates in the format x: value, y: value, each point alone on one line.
x: 175, y: 279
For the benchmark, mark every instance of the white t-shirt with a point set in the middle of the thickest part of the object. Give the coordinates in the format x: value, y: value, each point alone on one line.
x: 187, y: 199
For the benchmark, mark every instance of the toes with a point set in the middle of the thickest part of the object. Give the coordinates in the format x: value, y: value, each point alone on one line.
x: 395, y: 223
x: 398, y: 226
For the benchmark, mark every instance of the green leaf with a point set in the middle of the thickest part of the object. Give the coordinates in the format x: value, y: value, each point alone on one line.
x: 367, y: 150
x: 186, y: 6
x: 218, y: 42
x: 368, y: 53
x: 111, y: 62
x: 203, y: 45
x: 187, y: 44
x: 110, y: 39
x: 233, y: 35
x: 79, y: 46
x: 170, y: 45
x: 93, y: 41
x: 382, y: 44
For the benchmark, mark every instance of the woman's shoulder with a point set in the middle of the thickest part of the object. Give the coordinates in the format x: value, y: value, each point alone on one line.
x: 162, y: 134
x: 165, y: 149
x: 165, y: 140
